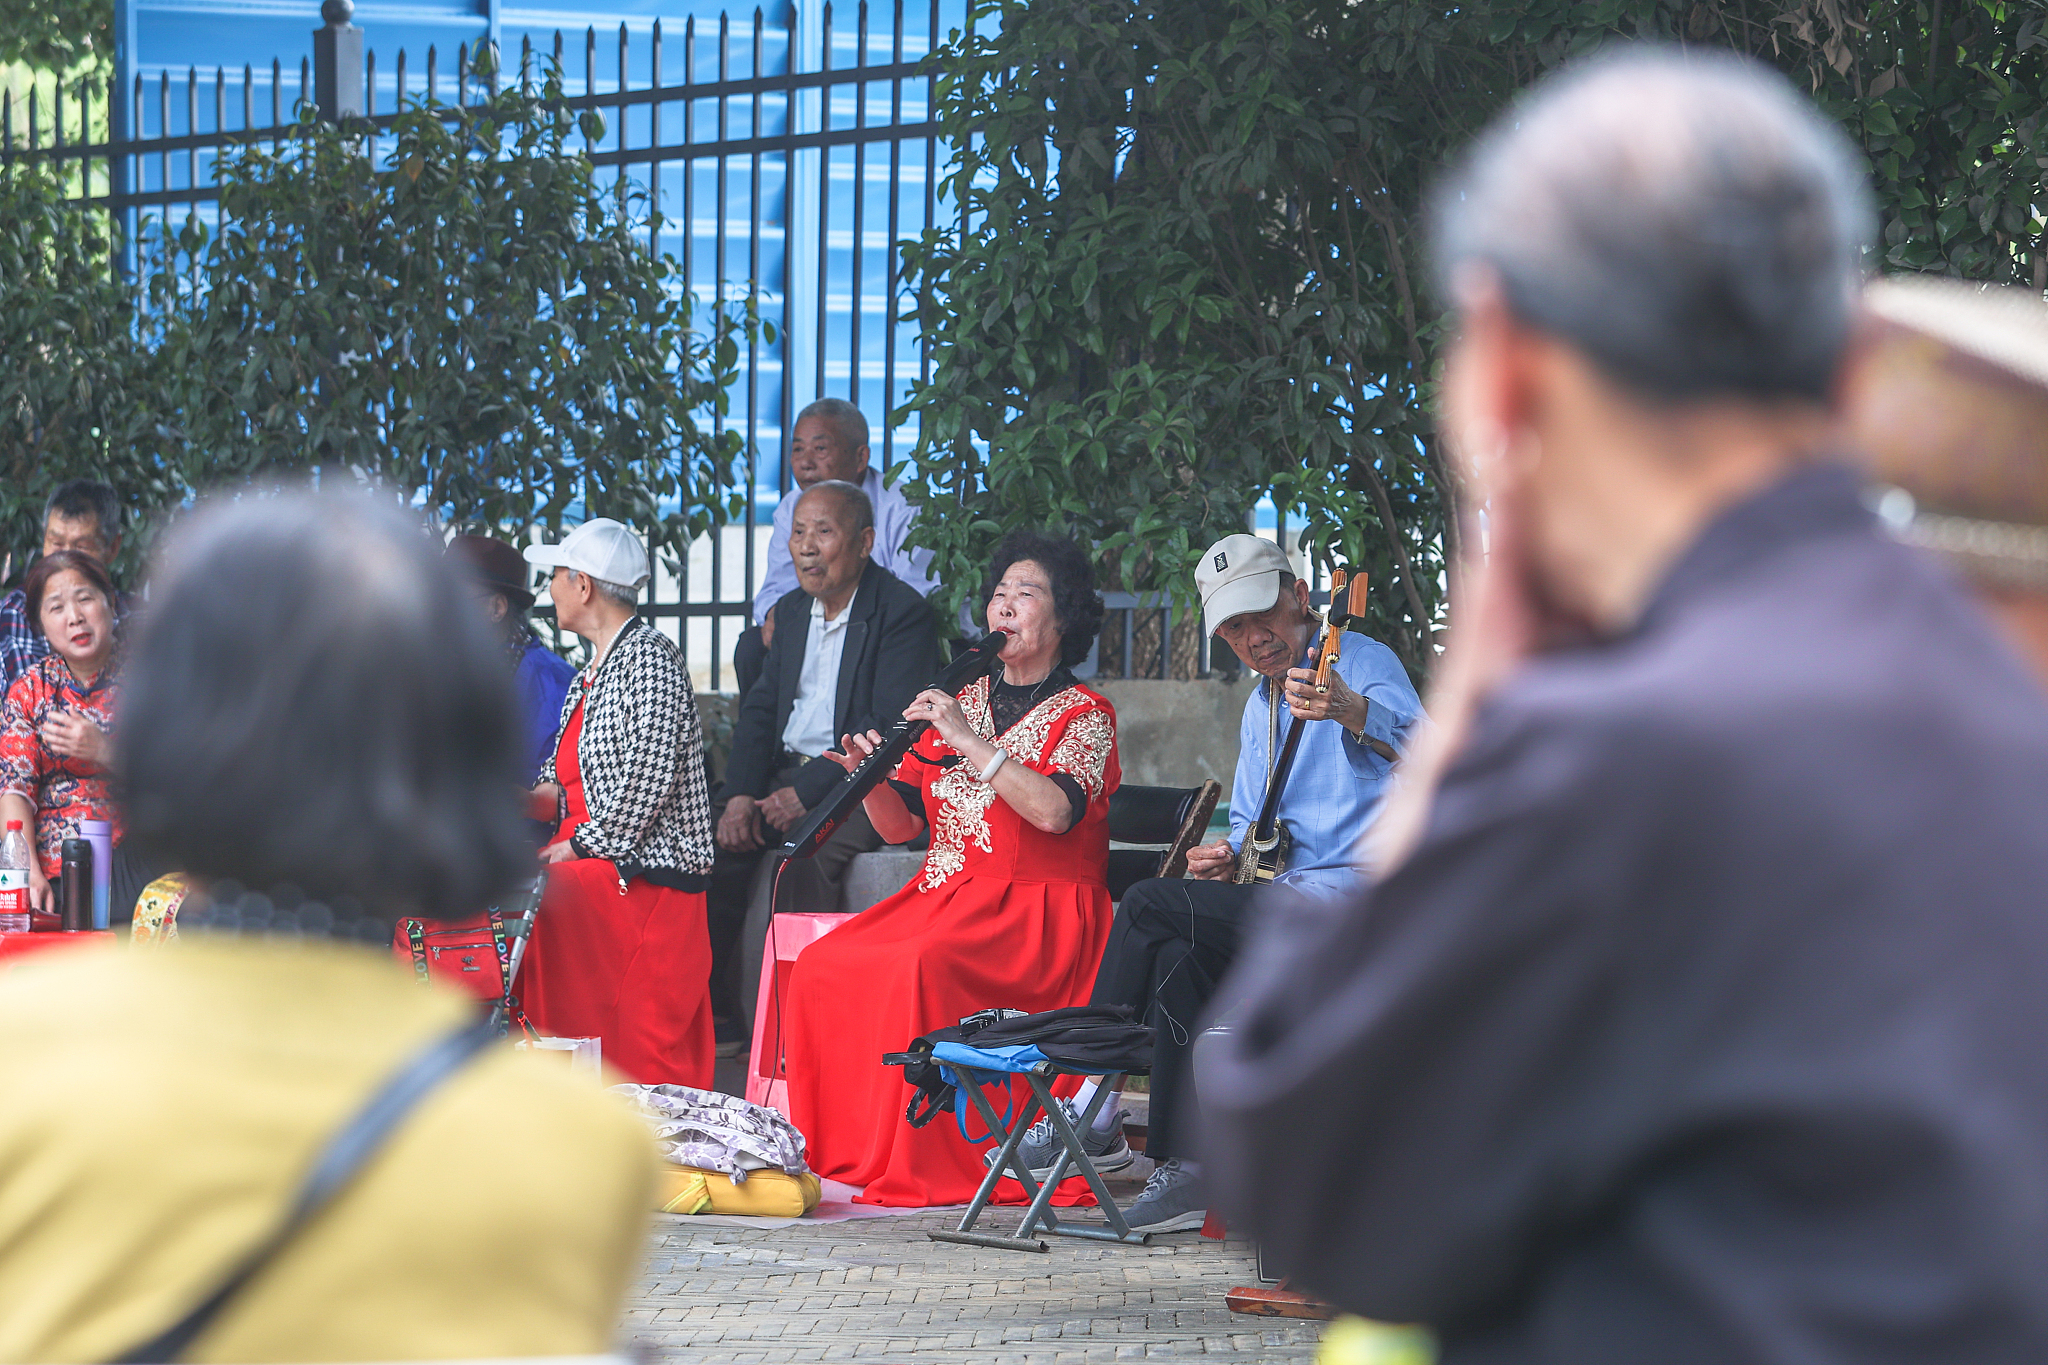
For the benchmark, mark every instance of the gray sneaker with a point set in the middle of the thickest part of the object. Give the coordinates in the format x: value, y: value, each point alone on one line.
x: 1172, y: 1201
x: 1042, y: 1146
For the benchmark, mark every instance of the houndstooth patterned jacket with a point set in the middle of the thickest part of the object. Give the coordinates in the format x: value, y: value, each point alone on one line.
x: 642, y: 755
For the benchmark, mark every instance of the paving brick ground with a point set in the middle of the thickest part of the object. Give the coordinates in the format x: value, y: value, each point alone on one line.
x: 879, y: 1290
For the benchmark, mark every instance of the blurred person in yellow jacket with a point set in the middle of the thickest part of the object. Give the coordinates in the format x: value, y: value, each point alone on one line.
x: 322, y: 734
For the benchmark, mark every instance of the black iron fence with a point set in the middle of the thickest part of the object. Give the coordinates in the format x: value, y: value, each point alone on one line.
x: 787, y: 167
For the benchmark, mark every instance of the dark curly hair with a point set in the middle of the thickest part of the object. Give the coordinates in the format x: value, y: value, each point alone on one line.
x: 1075, y: 603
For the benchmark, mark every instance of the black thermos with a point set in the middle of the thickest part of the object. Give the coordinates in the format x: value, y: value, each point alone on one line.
x: 77, y: 884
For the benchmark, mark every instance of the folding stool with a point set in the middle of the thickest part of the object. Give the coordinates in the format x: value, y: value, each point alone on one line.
x: 970, y: 1068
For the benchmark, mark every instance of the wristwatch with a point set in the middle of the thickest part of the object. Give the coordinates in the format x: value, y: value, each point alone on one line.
x: 1358, y: 735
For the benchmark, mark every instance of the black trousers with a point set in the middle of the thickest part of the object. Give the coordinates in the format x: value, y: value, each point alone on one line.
x: 736, y: 903
x: 1169, y: 946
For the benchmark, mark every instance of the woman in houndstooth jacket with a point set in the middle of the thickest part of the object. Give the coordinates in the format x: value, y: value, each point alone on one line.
x: 620, y: 950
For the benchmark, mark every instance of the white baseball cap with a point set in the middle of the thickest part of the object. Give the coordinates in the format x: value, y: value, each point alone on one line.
x: 601, y: 548
x: 1238, y: 574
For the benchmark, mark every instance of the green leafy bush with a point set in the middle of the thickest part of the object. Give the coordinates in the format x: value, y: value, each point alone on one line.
x: 1185, y: 286
x: 79, y: 388
x: 469, y: 318
x: 472, y: 319
x: 1191, y: 274
x: 57, y: 35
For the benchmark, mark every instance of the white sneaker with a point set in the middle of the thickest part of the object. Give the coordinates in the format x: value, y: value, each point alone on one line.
x: 1041, y: 1146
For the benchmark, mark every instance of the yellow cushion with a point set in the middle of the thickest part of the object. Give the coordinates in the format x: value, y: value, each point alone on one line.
x: 764, y: 1194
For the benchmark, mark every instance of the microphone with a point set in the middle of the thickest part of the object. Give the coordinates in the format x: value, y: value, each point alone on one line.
x: 807, y: 838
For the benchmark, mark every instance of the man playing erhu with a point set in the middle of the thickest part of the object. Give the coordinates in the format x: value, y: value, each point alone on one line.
x: 1172, y: 940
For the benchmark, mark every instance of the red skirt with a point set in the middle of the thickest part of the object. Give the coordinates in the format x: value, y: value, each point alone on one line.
x: 632, y: 969
x: 915, y: 962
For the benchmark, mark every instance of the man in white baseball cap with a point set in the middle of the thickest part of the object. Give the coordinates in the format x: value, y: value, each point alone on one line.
x: 1172, y: 941
x: 1239, y: 574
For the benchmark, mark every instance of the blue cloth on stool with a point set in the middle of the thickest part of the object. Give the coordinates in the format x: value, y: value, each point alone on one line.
x: 963, y: 1066
x: 953, y: 1057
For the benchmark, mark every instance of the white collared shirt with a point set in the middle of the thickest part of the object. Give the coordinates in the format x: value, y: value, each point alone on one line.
x: 809, y: 731
x: 893, y: 515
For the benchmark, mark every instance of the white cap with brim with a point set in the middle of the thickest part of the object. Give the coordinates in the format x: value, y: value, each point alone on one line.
x: 602, y: 548
x: 1239, y: 574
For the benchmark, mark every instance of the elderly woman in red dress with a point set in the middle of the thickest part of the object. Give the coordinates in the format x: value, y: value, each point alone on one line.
x: 620, y: 951
x: 1011, y: 907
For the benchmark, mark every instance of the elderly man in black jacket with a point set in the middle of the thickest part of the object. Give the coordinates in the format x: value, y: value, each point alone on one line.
x: 852, y: 645
x: 1699, y: 1016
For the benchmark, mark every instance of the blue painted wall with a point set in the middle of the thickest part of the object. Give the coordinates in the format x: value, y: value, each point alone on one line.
x: 830, y: 301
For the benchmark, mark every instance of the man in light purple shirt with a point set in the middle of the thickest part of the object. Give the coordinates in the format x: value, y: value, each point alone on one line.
x: 829, y: 441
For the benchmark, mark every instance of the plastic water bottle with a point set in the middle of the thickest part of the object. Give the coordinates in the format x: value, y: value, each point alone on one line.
x: 14, y: 903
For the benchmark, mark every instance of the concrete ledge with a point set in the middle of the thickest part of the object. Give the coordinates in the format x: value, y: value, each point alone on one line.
x: 874, y: 877
x: 1177, y: 734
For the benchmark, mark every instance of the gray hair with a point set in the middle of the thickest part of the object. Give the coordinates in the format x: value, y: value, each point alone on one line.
x: 344, y: 650
x: 843, y: 417
x: 852, y: 498
x: 617, y: 592
x: 1687, y: 220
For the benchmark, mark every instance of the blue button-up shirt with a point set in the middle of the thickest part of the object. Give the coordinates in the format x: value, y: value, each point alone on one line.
x: 1334, y: 791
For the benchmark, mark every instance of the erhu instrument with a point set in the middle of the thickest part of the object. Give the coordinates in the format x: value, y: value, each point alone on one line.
x: 1264, y: 854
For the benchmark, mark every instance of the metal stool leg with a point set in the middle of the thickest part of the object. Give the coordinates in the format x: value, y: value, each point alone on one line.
x: 1070, y: 1138
x: 1021, y: 1240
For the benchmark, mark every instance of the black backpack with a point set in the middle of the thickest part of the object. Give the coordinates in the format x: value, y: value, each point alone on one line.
x: 933, y: 1093
x: 1098, y: 1038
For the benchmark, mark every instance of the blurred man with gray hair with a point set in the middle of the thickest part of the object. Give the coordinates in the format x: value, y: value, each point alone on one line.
x: 1697, y: 1013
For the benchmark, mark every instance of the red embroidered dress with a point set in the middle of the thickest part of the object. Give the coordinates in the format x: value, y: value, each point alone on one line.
x: 63, y: 790
x: 1002, y: 914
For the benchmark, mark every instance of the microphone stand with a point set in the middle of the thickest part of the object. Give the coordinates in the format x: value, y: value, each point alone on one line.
x: 808, y: 837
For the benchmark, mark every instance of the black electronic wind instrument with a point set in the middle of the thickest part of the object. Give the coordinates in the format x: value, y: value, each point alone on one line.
x: 808, y: 837
x: 1264, y: 855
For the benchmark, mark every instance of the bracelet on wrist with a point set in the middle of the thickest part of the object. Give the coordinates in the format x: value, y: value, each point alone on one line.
x: 995, y: 763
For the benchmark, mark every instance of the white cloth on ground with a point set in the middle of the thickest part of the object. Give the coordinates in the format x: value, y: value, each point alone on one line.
x: 717, y: 1132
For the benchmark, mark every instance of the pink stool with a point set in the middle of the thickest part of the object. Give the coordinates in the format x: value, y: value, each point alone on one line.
x: 788, y: 936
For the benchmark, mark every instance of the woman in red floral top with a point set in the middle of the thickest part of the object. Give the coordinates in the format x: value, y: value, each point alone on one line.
x: 54, y: 741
